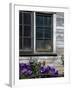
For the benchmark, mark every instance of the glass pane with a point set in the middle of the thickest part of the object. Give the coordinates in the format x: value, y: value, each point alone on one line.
x: 27, y: 18
x: 48, y: 45
x: 40, y: 45
x: 39, y: 33
x: 20, y: 43
x: 48, y: 34
x: 47, y: 21
x: 20, y: 17
x: 26, y: 43
x: 44, y: 45
x: 39, y: 20
x: 44, y: 32
x: 20, y: 30
x: 27, y: 30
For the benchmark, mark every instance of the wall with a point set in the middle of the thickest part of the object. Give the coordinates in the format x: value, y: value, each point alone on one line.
x: 60, y: 33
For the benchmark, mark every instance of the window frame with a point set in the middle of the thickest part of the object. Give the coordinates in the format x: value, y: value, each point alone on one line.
x: 33, y: 32
x: 54, y: 35
x: 23, y: 33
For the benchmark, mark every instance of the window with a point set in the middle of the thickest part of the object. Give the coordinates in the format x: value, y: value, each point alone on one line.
x: 25, y: 30
x: 44, y: 28
x: 35, y: 27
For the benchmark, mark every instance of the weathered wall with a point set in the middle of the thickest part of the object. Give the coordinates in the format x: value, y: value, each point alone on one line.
x: 60, y: 33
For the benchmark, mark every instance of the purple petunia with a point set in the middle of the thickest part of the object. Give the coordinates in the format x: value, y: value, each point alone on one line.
x: 23, y: 66
x: 56, y: 73
x: 25, y: 69
x: 29, y: 72
x: 48, y: 70
x: 53, y: 71
x: 44, y: 69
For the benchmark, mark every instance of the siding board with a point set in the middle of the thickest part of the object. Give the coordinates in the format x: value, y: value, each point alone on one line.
x: 59, y: 33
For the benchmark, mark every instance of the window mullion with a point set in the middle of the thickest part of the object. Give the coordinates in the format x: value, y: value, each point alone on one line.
x: 34, y: 32
x: 22, y: 29
x: 43, y: 29
x: 54, y: 33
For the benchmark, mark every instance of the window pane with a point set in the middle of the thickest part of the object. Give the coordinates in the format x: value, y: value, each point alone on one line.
x: 48, y: 45
x: 44, y: 45
x: 27, y: 18
x: 39, y: 20
x: 25, y: 26
x: 47, y: 21
x: 26, y: 43
x: 27, y: 30
x: 40, y: 45
x: 39, y: 33
x: 44, y: 32
x: 20, y: 30
x: 48, y: 34
x: 20, y: 43
x: 20, y: 17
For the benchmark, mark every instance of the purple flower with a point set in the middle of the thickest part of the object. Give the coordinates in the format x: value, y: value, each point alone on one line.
x: 26, y: 72
x: 56, y: 73
x: 48, y: 68
x: 28, y: 66
x: 42, y: 69
x: 29, y: 72
x: 25, y: 69
x: 52, y: 70
x: 23, y: 66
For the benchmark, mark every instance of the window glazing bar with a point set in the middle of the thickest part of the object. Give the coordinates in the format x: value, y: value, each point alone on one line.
x: 54, y: 33
x: 34, y: 32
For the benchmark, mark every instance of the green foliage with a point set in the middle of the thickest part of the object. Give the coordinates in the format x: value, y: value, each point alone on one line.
x: 35, y: 68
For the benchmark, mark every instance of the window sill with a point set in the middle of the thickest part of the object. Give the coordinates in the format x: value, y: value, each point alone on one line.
x: 36, y: 54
